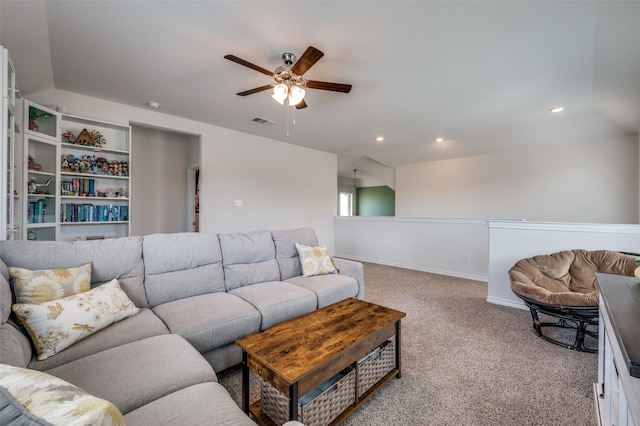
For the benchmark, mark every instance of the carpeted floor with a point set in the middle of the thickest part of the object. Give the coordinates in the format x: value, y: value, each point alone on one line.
x: 466, y: 361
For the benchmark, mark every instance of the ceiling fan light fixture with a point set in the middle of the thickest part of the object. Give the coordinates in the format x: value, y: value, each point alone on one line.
x: 280, y: 92
x: 296, y: 95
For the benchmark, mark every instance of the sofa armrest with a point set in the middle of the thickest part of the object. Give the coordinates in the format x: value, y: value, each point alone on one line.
x: 353, y: 269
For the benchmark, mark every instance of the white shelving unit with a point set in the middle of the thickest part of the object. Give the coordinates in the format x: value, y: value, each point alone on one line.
x: 42, y: 170
x: 76, y: 176
x: 94, y: 180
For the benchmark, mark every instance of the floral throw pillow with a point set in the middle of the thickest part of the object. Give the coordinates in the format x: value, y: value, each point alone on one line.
x: 315, y: 260
x: 45, y: 285
x: 58, y: 324
x: 55, y: 400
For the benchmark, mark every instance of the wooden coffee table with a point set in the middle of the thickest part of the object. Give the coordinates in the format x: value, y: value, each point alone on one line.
x: 298, y: 355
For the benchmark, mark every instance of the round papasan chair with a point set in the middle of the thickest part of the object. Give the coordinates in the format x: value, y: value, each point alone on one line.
x: 563, y: 286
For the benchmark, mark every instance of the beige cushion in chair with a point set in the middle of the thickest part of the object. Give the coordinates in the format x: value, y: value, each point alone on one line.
x: 567, y: 278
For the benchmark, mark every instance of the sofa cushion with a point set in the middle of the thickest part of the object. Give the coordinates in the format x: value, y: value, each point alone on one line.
x: 54, y: 400
x: 6, y: 298
x: 137, y: 373
x: 181, y: 265
x: 278, y: 301
x: 48, y: 284
x: 201, y: 404
x: 210, y: 320
x: 248, y: 258
x: 15, y: 346
x: 58, y: 324
x: 140, y: 326
x: 286, y: 253
x: 329, y: 289
x: 119, y: 258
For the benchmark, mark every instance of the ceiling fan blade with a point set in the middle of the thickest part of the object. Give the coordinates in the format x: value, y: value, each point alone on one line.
x: 307, y: 60
x: 237, y: 60
x: 325, y: 85
x: 256, y: 90
x: 301, y: 104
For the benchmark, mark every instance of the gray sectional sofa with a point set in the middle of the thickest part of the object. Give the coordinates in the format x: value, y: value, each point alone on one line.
x: 197, y: 293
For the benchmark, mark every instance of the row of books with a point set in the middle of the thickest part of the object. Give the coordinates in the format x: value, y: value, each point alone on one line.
x: 93, y: 213
x: 36, y: 211
x: 78, y: 186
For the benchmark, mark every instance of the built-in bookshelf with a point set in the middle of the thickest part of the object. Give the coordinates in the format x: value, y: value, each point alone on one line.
x: 42, y: 171
x: 94, y: 178
x: 77, y: 176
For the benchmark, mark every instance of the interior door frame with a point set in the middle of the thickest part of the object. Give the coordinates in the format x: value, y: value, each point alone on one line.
x: 192, y: 186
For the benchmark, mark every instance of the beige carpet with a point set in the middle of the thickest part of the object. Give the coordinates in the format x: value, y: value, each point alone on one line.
x: 466, y: 361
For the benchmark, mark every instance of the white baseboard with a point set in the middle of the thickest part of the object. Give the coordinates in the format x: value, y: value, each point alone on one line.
x: 417, y: 268
x: 506, y: 302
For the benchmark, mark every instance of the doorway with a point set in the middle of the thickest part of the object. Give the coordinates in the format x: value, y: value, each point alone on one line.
x: 163, y: 199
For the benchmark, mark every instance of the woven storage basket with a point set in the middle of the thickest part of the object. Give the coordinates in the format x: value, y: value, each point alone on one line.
x: 375, y: 365
x: 332, y: 398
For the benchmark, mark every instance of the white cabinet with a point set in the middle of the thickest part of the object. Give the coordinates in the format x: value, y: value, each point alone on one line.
x: 617, y: 392
x: 8, y: 132
x: 77, y: 175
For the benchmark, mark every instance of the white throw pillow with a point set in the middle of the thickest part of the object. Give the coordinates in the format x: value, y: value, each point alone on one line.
x: 315, y: 260
x: 58, y: 324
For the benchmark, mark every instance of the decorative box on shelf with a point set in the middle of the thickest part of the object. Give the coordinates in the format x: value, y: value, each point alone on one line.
x: 318, y: 407
x: 375, y: 365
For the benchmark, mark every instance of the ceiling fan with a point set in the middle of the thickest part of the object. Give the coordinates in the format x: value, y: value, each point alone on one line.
x: 289, y: 84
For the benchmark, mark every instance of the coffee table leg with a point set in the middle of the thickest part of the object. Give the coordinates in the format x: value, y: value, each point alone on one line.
x: 398, y: 350
x: 245, y: 383
x: 293, y: 401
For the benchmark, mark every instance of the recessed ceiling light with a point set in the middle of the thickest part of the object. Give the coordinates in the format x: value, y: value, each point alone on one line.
x: 439, y: 139
x: 557, y: 109
x: 379, y: 139
x: 154, y: 105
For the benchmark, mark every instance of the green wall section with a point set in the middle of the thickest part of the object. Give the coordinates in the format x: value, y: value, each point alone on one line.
x: 376, y: 201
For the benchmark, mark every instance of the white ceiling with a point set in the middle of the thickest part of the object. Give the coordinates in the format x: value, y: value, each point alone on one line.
x: 481, y: 74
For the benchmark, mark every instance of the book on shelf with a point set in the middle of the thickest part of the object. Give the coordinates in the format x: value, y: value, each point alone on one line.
x: 86, y: 212
x: 78, y: 186
x: 36, y: 211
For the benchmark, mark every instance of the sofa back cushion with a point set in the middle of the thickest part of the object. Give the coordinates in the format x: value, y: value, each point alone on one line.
x: 248, y: 258
x: 6, y: 298
x: 181, y: 265
x: 286, y: 253
x: 15, y: 347
x: 112, y: 258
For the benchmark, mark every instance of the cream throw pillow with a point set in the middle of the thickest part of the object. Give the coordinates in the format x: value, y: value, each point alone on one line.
x: 315, y: 260
x: 56, y: 401
x: 58, y: 324
x: 45, y: 285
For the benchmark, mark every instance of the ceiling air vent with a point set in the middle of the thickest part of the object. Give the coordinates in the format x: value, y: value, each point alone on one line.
x: 260, y: 120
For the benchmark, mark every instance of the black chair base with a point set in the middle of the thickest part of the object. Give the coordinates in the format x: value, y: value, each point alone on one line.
x: 582, y: 320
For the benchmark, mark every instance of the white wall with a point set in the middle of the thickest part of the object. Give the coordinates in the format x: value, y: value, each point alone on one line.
x: 159, y: 162
x: 455, y: 247
x: 282, y: 186
x: 512, y: 241
x: 590, y: 182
